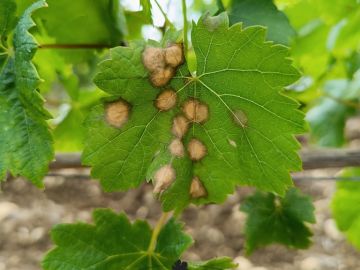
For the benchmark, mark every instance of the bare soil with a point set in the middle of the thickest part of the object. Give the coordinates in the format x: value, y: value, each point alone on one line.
x: 27, y: 215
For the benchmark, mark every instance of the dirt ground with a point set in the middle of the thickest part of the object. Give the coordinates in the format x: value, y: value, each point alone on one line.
x: 27, y: 214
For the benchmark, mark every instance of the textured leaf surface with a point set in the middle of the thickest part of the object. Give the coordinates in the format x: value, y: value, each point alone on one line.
x: 248, y: 135
x: 114, y: 243
x: 278, y: 220
x: 346, y: 208
x: 262, y: 12
x: 25, y: 140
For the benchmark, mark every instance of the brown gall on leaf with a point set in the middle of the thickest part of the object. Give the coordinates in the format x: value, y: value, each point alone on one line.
x: 166, y: 100
x: 180, y: 126
x: 176, y: 148
x: 197, y: 150
x: 161, y: 77
x: 117, y: 113
x: 163, y: 178
x: 195, y: 111
x: 174, y: 55
x: 197, y: 189
x: 240, y: 118
x: 154, y: 58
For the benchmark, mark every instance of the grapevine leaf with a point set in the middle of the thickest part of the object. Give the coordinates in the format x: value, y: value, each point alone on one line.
x: 7, y: 18
x: 223, y: 263
x: 114, y: 243
x: 25, y: 140
x: 247, y: 133
x: 346, y: 208
x: 278, y: 220
x: 327, y: 118
x: 263, y: 12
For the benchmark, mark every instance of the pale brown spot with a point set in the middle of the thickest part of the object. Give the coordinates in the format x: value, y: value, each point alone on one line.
x: 196, y: 149
x: 163, y: 178
x: 166, y: 100
x: 117, y: 113
x: 176, y: 148
x: 240, y: 118
x: 232, y: 143
x: 160, y: 77
x: 197, y: 189
x: 180, y: 126
x: 154, y: 58
x: 195, y: 111
x: 174, y: 55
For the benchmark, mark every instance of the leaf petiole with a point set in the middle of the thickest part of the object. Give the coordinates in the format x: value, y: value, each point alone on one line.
x: 156, y: 231
x: 184, y: 11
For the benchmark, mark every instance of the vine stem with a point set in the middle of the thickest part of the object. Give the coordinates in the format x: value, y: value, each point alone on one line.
x: 74, y: 46
x: 156, y: 231
x: 167, y: 21
x: 184, y: 12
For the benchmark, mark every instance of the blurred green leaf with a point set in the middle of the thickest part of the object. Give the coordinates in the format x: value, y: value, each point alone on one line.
x: 273, y: 219
x: 327, y: 118
x: 262, y: 12
x: 346, y: 207
x: 7, y: 19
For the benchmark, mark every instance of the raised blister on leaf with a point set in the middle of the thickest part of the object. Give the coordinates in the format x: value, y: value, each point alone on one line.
x: 240, y: 118
x: 174, y: 55
x: 166, y: 100
x: 196, y: 149
x: 154, y: 58
x: 160, y: 77
x: 163, y: 178
x: 196, y: 111
x: 197, y: 189
x: 180, y: 126
x: 117, y: 113
x: 176, y: 148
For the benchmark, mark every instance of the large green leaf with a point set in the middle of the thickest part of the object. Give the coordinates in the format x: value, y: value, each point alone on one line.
x: 278, y: 220
x: 262, y: 12
x: 25, y: 140
x: 248, y: 135
x: 346, y: 207
x: 114, y: 243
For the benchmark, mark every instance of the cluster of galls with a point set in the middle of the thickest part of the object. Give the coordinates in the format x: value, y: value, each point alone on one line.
x: 162, y: 63
x: 193, y: 111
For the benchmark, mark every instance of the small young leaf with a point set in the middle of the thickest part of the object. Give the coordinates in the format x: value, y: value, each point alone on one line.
x: 25, y: 139
x: 222, y: 263
x: 273, y: 219
x: 346, y: 208
x: 114, y: 243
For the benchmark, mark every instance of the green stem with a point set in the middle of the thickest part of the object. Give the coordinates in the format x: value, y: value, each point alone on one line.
x: 73, y: 46
x: 167, y: 21
x: 184, y: 11
x: 156, y: 231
